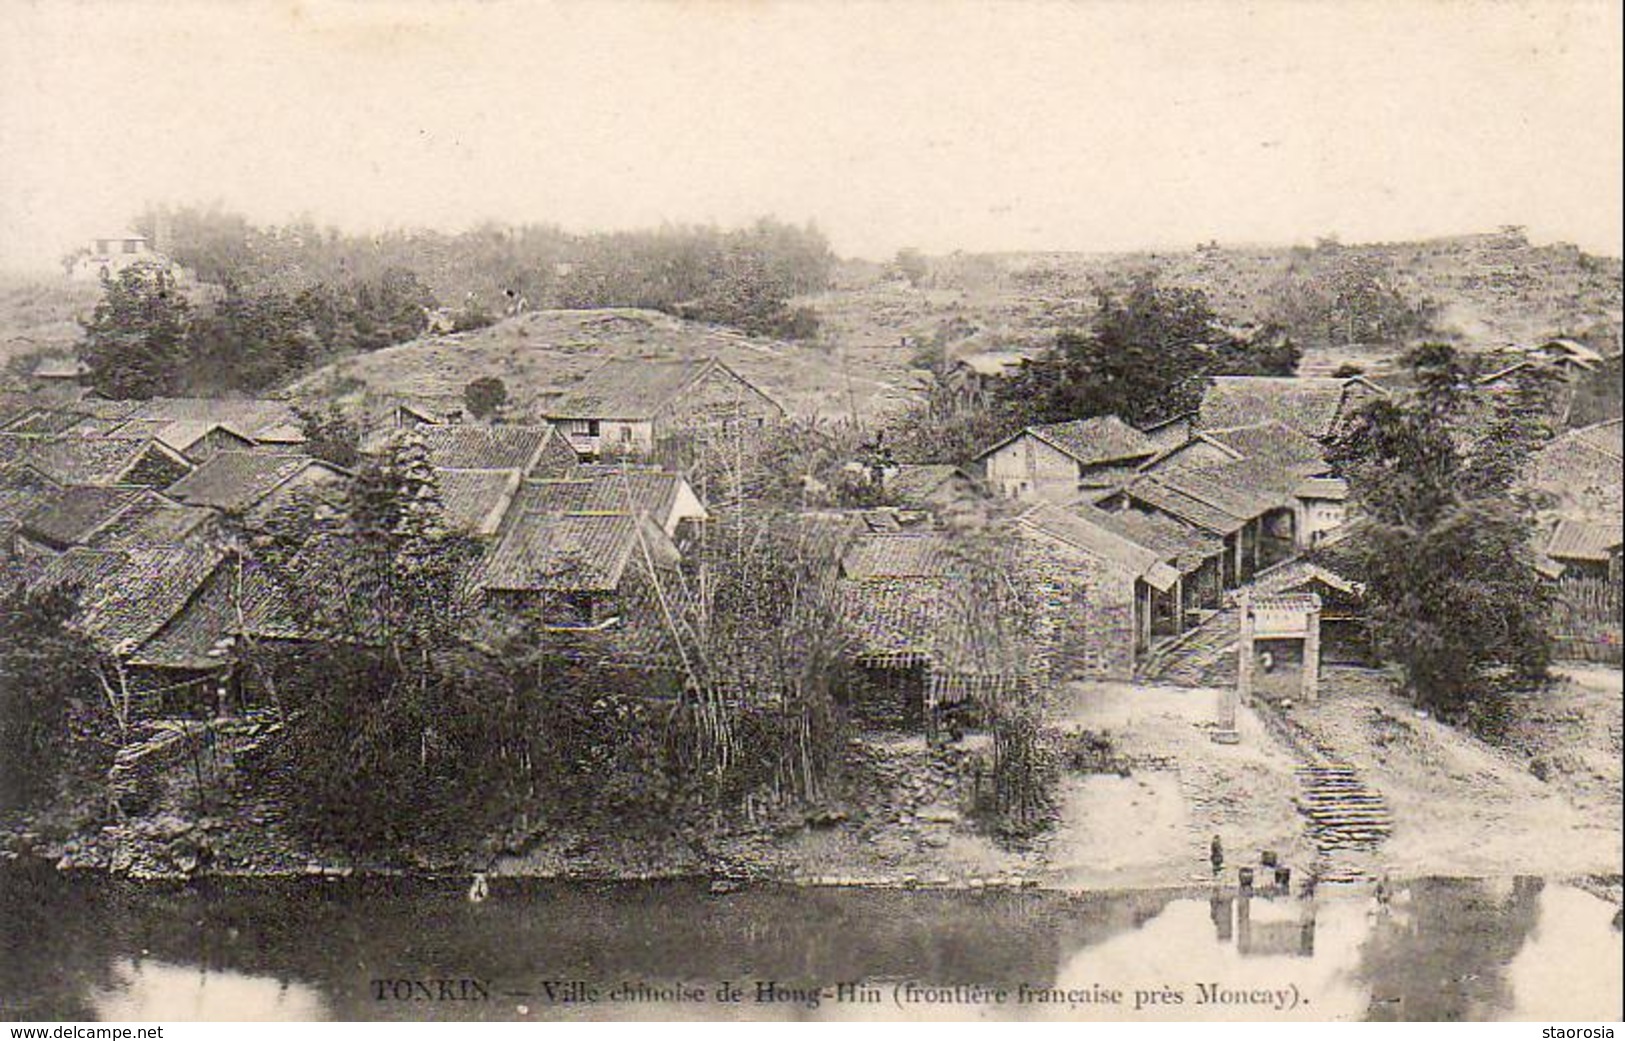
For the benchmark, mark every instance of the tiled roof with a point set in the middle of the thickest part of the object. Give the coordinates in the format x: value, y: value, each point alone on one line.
x: 898, y: 555
x: 21, y: 489
x: 1158, y: 495
x: 1170, y: 433
x: 60, y: 368
x: 237, y: 480
x: 127, y: 596
x: 993, y: 363
x: 64, y: 517
x: 650, y: 492
x: 1101, y: 543
x: 1296, y: 574
x: 1274, y: 443
x: 1242, y: 490
x: 562, y: 554
x: 87, y: 460
x: 258, y: 418
x: 476, y: 447
x: 1100, y: 439
x: 1333, y: 489
x: 1584, y: 540
x: 1309, y: 405
x: 1177, y: 544
x: 895, y: 616
x: 179, y: 422
x: 476, y: 500
x: 627, y: 388
x: 914, y: 481
x: 150, y: 520
x: 238, y: 596
x: 45, y: 421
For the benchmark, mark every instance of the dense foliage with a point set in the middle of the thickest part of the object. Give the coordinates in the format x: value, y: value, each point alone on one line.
x: 1145, y: 359
x: 1444, y: 544
x: 1339, y: 296
x: 48, y: 689
x: 136, y: 340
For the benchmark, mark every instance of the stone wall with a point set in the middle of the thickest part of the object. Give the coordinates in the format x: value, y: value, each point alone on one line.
x: 1084, y: 610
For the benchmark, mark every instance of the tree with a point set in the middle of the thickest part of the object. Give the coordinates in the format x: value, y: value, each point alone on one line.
x: 135, y: 342
x: 759, y: 637
x: 1443, y: 546
x: 1145, y: 360
x: 912, y: 265
x: 49, y: 697
x: 330, y: 434
x: 386, y: 709
x: 250, y: 341
x: 1342, y: 296
x: 485, y: 396
x: 944, y: 425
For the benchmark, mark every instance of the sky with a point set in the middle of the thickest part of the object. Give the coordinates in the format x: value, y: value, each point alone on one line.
x: 939, y: 125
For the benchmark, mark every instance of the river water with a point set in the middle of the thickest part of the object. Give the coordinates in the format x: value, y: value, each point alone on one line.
x: 84, y: 948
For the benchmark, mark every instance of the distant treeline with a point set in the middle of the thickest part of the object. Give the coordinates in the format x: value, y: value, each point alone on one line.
x: 277, y: 301
x: 743, y: 277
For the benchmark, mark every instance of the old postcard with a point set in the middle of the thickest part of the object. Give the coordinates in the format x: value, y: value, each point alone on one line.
x: 810, y: 510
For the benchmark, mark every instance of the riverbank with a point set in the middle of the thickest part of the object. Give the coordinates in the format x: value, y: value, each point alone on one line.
x: 901, y: 814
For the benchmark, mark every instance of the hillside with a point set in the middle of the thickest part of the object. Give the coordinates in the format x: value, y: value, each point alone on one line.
x: 40, y: 316
x: 544, y: 352
x: 1491, y: 290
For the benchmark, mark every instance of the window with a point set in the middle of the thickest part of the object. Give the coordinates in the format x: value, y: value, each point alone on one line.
x: 594, y: 428
x: 626, y: 435
x: 132, y: 245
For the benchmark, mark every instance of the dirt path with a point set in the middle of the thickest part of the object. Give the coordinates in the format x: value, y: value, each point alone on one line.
x: 1461, y: 806
x: 1155, y: 826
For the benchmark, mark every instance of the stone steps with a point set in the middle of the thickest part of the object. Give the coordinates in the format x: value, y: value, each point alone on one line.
x: 1200, y: 657
x: 1342, y: 813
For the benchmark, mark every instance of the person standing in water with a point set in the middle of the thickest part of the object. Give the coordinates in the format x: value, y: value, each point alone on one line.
x: 1216, y: 856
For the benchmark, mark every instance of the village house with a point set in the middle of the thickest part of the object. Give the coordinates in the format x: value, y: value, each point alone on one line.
x: 70, y: 459
x: 479, y: 469
x: 567, y: 546
x: 193, y: 427
x: 1569, y: 356
x: 1580, y: 470
x: 1317, y: 407
x: 1588, y: 549
x: 1289, y: 464
x: 929, y: 486
x: 1096, y: 590
x: 58, y: 378
x: 251, y: 484
x: 923, y: 643
x: 1322, y: 508
x: 978, y: 375
x: 124, y: 598
x: 108, y: 255
x: 1250, y: 505
x: 630, y: 407
x: 1581, y: 558
x: 65, y: 517
x: 1058, y: 462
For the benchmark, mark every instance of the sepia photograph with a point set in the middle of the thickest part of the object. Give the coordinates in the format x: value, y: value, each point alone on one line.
x: 810, y: 511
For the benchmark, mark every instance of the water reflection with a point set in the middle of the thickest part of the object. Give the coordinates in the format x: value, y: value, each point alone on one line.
x: 1440, y: 949
x: 153, y: 990
x: 1234, y: 957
